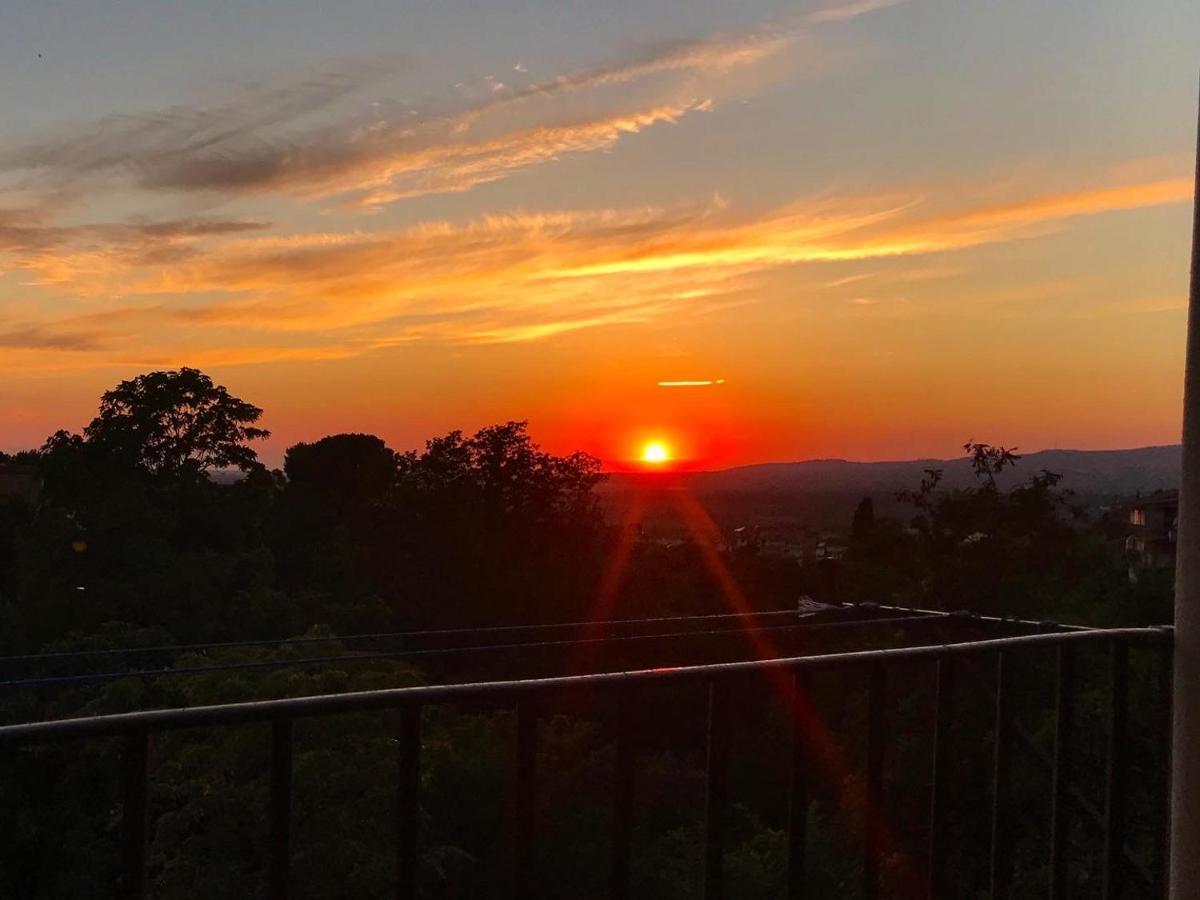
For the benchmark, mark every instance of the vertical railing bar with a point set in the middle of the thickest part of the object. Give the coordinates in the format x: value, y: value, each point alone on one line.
x: 622, y: 839
x: 1115, y: 781
x: 1064, y: 722
x: 1162, y: 835
x: 1000, y: 867
x: 134, y: 762
x: 1079, y: 799
x: 1130, y: 861
x: 716, y: 793
x: 408, y: 800
x: 798, y: 798
x: 526, y: 800
x: 939, y: 791
x: 281, y: 809
x: 873, y: 808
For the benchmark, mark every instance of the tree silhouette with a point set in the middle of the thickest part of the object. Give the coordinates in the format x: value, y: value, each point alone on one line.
x: 500, y: 529
x: 334, y: 526
x: 171, y: 423
x: 863, y: 524
x: 340, y: 472
x: 988, y: 461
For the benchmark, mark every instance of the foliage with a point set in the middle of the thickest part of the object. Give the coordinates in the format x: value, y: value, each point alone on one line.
x: 133, y: 545
x: 1030, y: 551
x: 171, y: 423
x: 497, y: 529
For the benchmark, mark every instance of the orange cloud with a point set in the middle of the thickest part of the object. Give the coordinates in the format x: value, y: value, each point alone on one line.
x: 517, y: 277
x: 73, y: 254
x: 848, y: 11
x: 716, y: 55
x: 459, y: 166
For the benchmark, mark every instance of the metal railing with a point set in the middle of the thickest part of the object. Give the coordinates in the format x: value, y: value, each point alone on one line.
x: 493, y: 641
x: 951, y: 659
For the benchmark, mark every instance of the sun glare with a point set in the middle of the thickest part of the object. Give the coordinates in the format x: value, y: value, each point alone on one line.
x: 655, y: 452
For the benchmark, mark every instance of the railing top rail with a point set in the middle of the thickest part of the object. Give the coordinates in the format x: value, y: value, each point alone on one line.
x: 967, y: 616
x: 333, y: 704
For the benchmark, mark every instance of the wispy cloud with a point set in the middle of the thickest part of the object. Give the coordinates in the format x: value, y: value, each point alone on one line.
x: 847, y: 11
x: 516, y: 277
x: 82, y: 334
x: 41, y: 338
x: 386, y: 163
x: 138, y: 143
x: 459, y: 166
x: 238, y: 288
x: 272, y: 138
x: 298, y: 137
x: 74, y: 254
x: 710, y: 56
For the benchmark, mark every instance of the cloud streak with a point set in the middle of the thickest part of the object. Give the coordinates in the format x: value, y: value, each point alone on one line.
x: 520, y: 277
x: 73, y: 254
x: 141, y: 142
x: 710, y: 56
x: 295, y: 136
x: 268, y: 139
x: 40, y: 338
x: 385, y: 167
x: 848, y: 11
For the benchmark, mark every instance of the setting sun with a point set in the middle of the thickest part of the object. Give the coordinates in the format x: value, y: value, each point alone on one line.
x: 655, y: 452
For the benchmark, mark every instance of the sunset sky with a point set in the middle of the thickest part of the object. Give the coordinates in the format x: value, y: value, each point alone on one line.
x: 878, y: 229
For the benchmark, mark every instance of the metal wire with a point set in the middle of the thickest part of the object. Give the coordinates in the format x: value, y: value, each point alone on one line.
x: 508, y: 629
x: 95, y: 677
x: 398, y: 635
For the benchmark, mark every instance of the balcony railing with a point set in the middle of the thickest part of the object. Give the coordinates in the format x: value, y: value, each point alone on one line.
x: 955, y: 663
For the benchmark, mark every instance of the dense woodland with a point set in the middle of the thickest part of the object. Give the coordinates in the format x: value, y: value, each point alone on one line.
x: 132, y: 542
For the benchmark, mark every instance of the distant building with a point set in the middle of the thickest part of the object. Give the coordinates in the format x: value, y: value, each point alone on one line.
x: 789, y: 541
x: 1152, y: 524
x: 830, y: 549
x: 786, y: 541
x: 19, y: 480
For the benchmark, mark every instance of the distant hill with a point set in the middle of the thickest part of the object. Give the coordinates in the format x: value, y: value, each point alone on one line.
x: 822, y: 493
x: 1092, y: 472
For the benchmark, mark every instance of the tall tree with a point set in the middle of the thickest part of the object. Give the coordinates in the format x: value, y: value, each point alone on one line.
x: 863, y: 525
x: 500, y: 529
x: 131, y: 528
x: 172, y: 423
x: 334, y: 527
